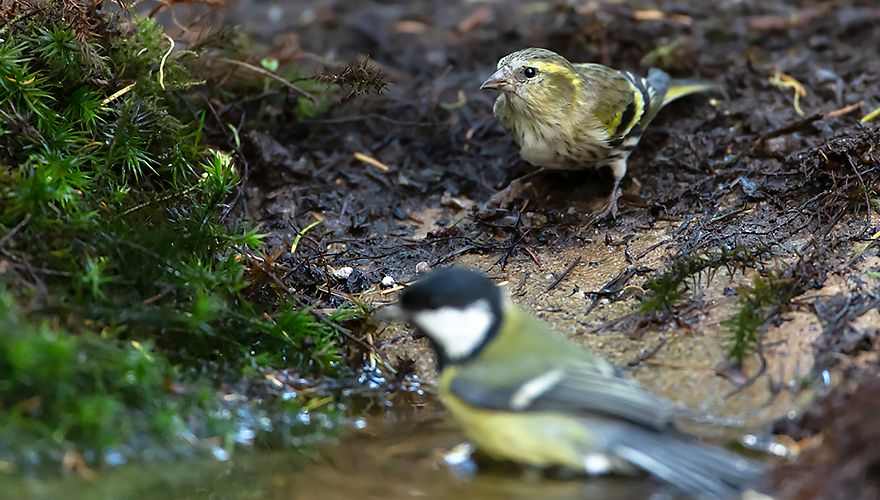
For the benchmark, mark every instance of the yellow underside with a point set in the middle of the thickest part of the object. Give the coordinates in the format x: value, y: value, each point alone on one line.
x: 538, y: 439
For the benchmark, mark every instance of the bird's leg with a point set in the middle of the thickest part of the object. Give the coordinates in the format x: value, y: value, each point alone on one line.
x: 618, y: 168
x: 514, y: 189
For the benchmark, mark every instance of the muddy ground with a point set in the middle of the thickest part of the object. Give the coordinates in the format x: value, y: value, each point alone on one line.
x: 762, y: 186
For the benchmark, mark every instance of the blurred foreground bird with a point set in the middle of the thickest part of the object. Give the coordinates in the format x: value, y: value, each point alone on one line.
x: 524, y: 393
x: 568, y: 116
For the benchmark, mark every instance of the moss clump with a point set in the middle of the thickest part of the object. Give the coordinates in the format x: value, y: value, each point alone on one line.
x: 58, y: 389
x: 118, y: 276
x: 757, y: 303
x: 668, y: 288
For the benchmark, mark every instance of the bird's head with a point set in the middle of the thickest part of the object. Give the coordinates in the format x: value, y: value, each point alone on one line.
x: 537, y: 81
x: 459, y: 310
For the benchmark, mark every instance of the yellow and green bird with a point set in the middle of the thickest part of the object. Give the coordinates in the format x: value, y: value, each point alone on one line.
x: 523, y: 392
x: 568, y: 116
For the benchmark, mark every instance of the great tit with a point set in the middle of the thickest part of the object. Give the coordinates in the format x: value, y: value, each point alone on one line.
x: 524, y: 393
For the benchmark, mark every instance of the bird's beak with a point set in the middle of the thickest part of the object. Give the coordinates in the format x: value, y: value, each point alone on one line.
x: 500, y: 80
x: 391, y: 312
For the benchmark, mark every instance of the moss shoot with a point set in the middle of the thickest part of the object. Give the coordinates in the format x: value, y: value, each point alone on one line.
x: 667, y: 289
x: 757, y: 303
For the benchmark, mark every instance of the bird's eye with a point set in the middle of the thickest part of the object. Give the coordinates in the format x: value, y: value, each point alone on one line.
x: 530, y: 72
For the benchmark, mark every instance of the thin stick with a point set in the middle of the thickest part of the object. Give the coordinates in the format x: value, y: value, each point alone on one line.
x: 565, y: 272
x: 257, y: 69
x: 650, y: 354
x: 8, y: 236
x: 369, y: 160
x: 803, y: 122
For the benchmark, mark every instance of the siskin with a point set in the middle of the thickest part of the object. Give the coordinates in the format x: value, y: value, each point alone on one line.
x: 568, y: 116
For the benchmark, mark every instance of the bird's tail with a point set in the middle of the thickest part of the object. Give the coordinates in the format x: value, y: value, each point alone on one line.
x: 680, y: 88
x: 704, y: 471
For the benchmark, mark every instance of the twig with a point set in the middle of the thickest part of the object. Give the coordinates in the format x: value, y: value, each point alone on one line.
x: 372, y: 116
x: 532, y: 255
x: 271, y: 75
x: 565, y: 272
x: 791, y: 127
x: 455, y: 253
x: 784, y: 22
x: 803, y: 122
x: 648, y: 355
x: 865, y: 191
x: 843, y: 111
x: 678, y: 231
x: 659, y: 15
x: 369, y: 160
x: 18, y: 227
x: 477, y: 18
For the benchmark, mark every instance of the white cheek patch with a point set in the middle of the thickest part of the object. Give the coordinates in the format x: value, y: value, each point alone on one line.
x: 458, y: 331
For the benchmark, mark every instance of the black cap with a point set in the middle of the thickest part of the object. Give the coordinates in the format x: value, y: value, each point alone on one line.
x: 450, y: 287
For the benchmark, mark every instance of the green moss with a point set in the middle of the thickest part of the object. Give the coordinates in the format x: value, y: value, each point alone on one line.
x: 757, y: 303
x: 61, y: 391
x: 664, y: 291
x: 125, y: 279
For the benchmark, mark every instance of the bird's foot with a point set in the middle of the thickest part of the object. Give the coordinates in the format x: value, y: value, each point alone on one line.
x: 506, y: 196
x: 610, y: 211
x: 514, y: 190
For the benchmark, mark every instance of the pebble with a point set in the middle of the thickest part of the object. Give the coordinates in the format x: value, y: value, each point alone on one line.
x: 423, y: 267
x: 342, y: 273
x: 388, y: 281
x: 776, y: 145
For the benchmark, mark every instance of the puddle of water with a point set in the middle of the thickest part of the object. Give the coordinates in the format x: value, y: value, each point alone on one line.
x: 397, y: 456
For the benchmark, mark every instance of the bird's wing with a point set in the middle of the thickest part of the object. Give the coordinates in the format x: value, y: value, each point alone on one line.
x: 573, y: 387
x: 624, y: 101
x: 616, y: 101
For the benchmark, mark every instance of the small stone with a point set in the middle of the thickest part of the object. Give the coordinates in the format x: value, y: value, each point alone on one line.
x: 423, y: 267
x: 342, y: 273
x: 388, y: 281
x: 436, y: 58
x: 538, y: 219
x: 776, y: 145
x: 826, y: 76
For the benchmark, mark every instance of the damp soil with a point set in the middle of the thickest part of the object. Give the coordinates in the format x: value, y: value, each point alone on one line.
x: 398, y: 182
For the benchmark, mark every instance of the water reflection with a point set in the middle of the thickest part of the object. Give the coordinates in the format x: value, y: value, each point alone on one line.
x: 405, y: 459
x: 393, y: 456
